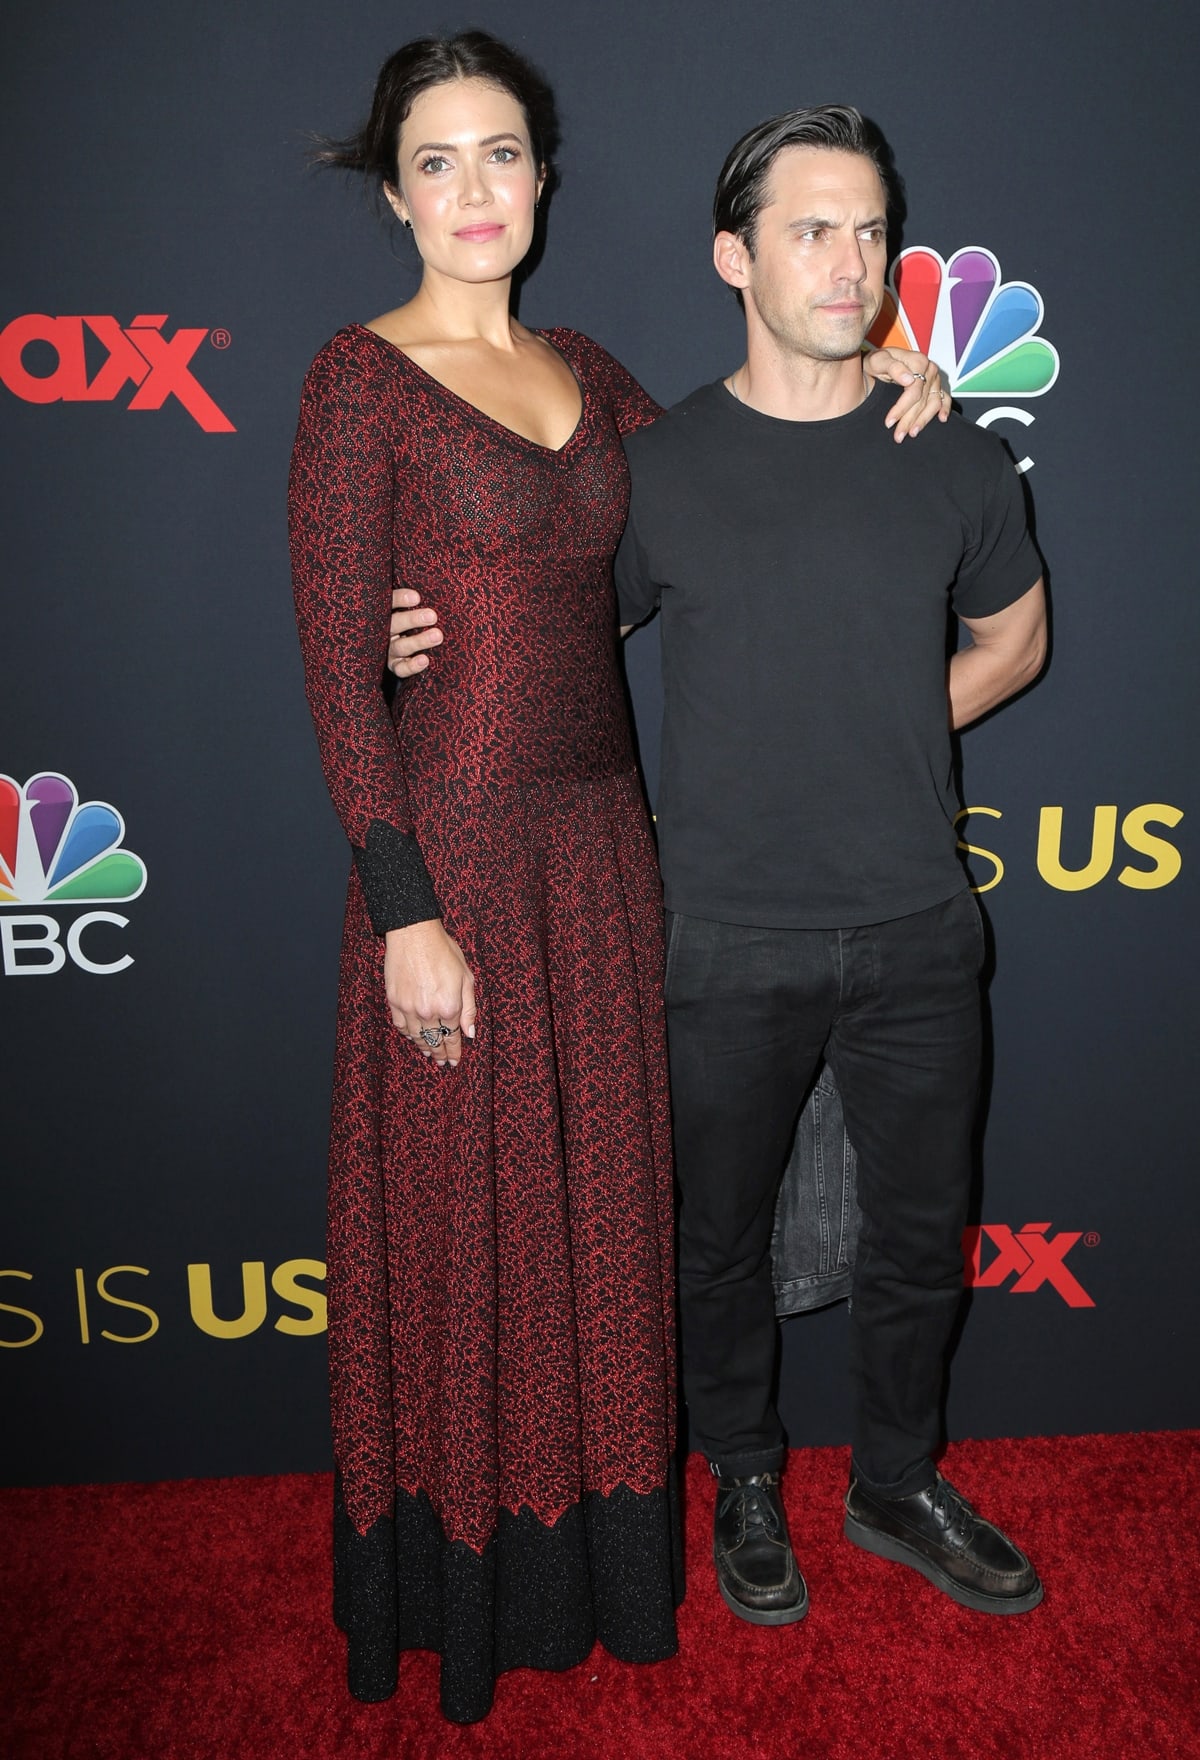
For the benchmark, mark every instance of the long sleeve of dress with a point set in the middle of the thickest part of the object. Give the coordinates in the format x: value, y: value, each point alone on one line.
x: 340, y: 514
x: 632, y: 408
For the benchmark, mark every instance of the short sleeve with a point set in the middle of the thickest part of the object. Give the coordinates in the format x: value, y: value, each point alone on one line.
x: 1002, y: 562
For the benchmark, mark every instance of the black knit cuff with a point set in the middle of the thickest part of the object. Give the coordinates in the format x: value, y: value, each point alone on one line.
x: 395, y: 880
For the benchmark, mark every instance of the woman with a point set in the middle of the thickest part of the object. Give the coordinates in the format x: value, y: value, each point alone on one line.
x: 500, y: 1265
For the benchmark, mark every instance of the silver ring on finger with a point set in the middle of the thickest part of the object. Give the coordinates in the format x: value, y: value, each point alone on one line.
x: 919, y: 376
x: 433, y: 1036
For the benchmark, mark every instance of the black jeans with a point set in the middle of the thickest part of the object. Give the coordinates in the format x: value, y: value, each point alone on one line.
x: 895, y: 1008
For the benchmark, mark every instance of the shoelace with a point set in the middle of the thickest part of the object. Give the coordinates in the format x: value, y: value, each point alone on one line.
x: 952, y: 1510
x: 756, y: 1506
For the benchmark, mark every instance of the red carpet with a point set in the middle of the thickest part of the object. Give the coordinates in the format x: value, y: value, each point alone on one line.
x: 190, y: 1622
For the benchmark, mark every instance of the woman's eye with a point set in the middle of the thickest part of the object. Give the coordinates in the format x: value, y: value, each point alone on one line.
x: 434, y: 163
x: 505, y: 155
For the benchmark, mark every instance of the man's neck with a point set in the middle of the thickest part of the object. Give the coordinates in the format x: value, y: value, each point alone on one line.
x: 797, y: 388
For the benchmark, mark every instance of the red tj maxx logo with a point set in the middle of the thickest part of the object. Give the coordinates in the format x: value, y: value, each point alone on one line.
x: 158, y: 366
x: 1033, y: 1255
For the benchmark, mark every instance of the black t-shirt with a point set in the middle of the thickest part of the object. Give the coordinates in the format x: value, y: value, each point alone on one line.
x: 804, y: 572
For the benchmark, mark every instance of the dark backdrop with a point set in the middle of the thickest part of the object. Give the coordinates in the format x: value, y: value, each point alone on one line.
x: 171, y: 1113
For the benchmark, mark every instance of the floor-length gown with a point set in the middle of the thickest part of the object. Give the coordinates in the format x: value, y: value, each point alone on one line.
x: 501, y: 1309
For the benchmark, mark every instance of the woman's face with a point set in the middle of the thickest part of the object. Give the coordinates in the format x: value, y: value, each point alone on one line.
x: 467, y: 181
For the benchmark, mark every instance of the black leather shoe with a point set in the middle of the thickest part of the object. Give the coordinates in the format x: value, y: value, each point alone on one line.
x: 939, y: 1534
x: 756, y: 1567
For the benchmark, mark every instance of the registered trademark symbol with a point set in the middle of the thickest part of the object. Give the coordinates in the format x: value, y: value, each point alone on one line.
x: 220, y: 339
x: 1091, y: 1238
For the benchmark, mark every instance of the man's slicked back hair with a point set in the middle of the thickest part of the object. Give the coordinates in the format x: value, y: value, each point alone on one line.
x: 742, y: 186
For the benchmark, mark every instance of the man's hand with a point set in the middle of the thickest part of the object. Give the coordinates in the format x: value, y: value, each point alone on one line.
x: 412, y: 631
x: 924, y: 396
x: 1007, y: 652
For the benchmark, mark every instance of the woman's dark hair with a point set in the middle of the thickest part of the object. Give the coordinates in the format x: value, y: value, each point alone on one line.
x: 434, y: 61
x: 742, y: 186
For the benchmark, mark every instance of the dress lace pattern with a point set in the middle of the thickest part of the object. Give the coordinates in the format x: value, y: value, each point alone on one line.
x: 501, y: 1304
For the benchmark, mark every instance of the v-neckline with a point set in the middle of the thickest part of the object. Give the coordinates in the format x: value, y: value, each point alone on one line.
x: 493, y: 421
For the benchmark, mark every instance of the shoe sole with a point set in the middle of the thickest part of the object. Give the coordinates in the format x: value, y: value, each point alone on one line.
x: 884, y: 1546
x: 764, y: 1616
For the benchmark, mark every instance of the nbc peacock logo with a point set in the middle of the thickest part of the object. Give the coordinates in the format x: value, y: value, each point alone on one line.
x: 56, y: 850
x: 980, y: 329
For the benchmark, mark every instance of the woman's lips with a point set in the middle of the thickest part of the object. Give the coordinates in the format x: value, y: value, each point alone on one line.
x: 478, y: 234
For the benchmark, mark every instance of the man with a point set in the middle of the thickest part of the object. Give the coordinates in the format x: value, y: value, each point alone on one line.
x: 804, y: 566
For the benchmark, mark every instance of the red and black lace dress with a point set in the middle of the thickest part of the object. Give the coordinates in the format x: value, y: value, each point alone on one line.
x: 501, y: 1305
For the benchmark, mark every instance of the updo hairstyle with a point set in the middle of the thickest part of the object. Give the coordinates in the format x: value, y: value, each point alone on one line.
x: 435, y: 61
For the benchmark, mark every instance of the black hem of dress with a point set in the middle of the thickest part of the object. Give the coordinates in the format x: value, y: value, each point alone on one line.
x: 610, y: 1569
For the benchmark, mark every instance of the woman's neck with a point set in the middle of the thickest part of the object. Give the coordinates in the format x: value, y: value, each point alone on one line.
x: 443, y: 310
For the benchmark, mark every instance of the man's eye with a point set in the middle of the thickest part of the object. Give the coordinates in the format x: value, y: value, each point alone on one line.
x: 812, y: 233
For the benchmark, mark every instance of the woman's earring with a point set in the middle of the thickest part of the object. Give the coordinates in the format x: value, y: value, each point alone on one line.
x: 408, y: 224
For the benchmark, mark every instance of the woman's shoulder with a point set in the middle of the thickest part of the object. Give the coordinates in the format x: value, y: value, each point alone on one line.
x: 356, y: 368
x: 578, y: 347
x: 350, y: 352
x: 354, y: 354
x: 585, y: 352
x: 602, y: 371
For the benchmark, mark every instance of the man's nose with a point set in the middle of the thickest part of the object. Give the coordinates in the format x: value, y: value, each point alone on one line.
x: 850, y: 264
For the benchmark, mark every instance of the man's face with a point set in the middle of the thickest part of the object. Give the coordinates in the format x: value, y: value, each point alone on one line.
x: 820, y: 252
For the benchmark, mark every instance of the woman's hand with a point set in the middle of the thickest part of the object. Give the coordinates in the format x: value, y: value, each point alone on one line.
x: 429, y: 990
x: 413, y: 630
x: 925, y: 396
